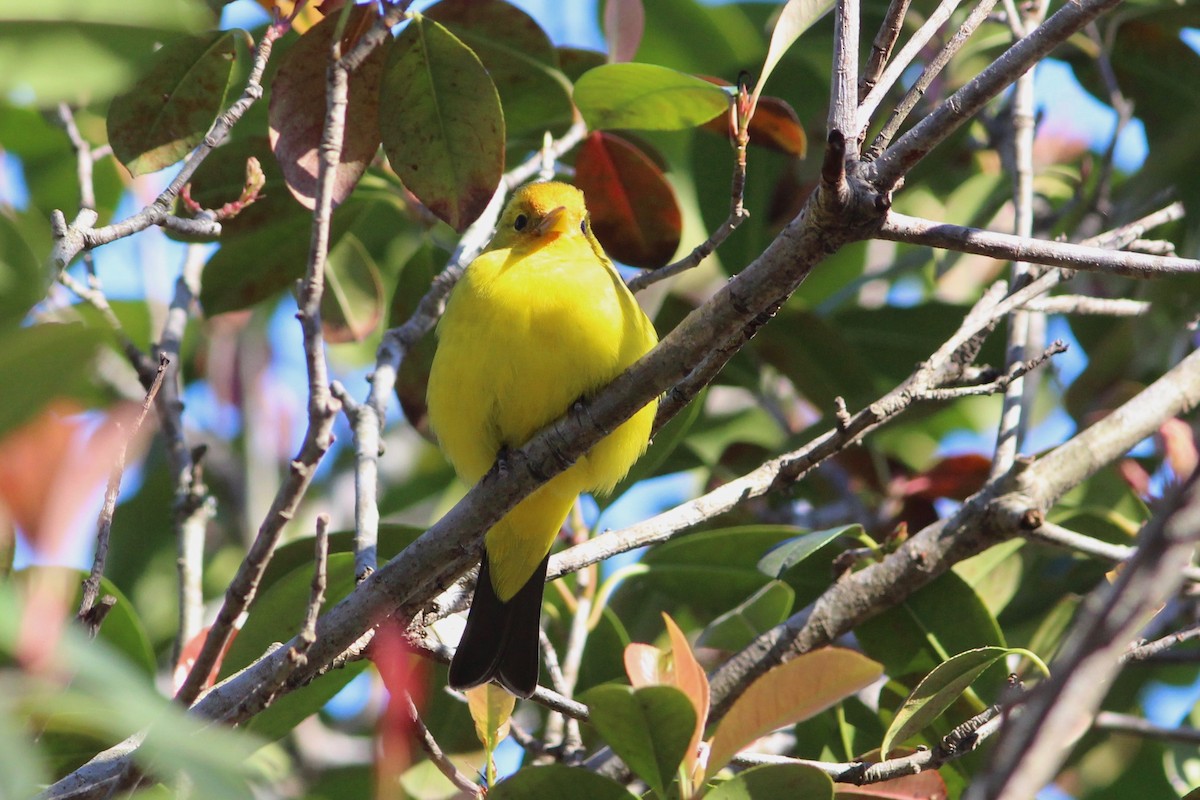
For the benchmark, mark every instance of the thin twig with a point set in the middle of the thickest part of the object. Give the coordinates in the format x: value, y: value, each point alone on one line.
x: 1057, y: 535
x: 1147, y: 651
x: 1138, y: 726
x: 900, y: 63
x: 81, y: 235
x: 943, y: 121
x: 1084, y: 305
x: 436, y: 754
x: 881, y: 47
x: 901, y: 228
x: 90, y: 614
x: 323, y: 408
x: 925, y: 79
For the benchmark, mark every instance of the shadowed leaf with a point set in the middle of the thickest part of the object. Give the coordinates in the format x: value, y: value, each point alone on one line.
x: 757, y: 614
x: 519, y: 57
x: 648, y: 728
x: 790, y: 553
x: 647, y: 97
x: 441, y: 122
x: 172, y: 106
x: 353, y: 301
x: 789, y: 693
x: 556, y: 781
x: 298, y: 108
x: 632, y: 207
x: 774, y: 125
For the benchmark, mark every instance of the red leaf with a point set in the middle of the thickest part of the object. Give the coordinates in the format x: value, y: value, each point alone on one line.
x: 774, y: 125
x: 956, y: 477
x: 297, y: 109
x: 402, y: 675
x: 922, y: 786
x: 1179, y: 447
x: 188, y: 655
x: 633, y: 208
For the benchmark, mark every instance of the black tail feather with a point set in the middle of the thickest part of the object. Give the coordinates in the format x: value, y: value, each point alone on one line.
x: 500, y: 642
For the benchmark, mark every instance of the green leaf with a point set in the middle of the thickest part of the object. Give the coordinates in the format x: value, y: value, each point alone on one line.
x: 298, y: 108
x: 632, y: 207
x: 790, y: 553
x: 519, y: 57
x: 41, y: 363
x: 172, y: 106
x: 442, y: 125
x: 352, y: 304
x: 712, y: 570
x: 23, y: 282
x: 940, y: 619
x: 758, y: 613
x: 63, y: 50
x: 772, y: 781
x: 556, y: 781
x: 792, y: 692
x: 298, y: 553
x: 646, y: 96
x: 940, y: 688
x: 649, y: 728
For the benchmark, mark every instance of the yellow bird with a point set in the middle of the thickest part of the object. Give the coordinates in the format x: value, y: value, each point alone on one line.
x: 540, y: 320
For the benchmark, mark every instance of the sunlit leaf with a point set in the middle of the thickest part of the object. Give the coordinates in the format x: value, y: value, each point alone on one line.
x: 441, y: 122
x: 789, y: 693
x: 624, y: 21
x: 790, y: 553
x: 646, y: 96
x: 795, y: 18
x: 643, y: 664
x: 649, y: 728
x: 100, y: 52
x: 940, y: 688
x: 298, y: 108
x: 491, y: 707
x: 172, y: 106
x: 556, y: 781
x: 775, y: 780
x: 633, y: 209
x: 686, y: 674
x: 519, y: 57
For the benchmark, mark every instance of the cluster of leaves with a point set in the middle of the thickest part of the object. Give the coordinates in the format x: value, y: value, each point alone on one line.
x: 464, y: 90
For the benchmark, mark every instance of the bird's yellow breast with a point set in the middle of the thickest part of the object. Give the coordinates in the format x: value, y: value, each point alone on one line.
x: 537, y: 322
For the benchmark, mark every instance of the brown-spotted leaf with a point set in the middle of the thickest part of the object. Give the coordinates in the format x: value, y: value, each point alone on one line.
x: 519, y: 57
x: 168, y: 111
x: 298, y: 107
x: 789, y: 693
x: 624, y: 22
x: 441, y: 122
x: 352, y: 304
x: 633, y: 208
x: 574, y: 61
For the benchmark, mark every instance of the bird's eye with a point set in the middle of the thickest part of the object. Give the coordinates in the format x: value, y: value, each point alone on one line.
x: 520, y: 222
x: 583, y: 226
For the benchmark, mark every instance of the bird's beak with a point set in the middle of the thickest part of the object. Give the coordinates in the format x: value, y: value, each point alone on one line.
x: 549, y: 222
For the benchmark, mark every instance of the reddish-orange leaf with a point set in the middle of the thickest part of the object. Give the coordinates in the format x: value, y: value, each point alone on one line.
x: 790, y: 693
x: 297, y: 109
x: 922, y: 786
x: 189, y: 653
x: 688, y: 676
x: 624, y: 22
x: 643, y: 664
x: 774, y: 124
x: 1179, y: 447
x: 956, y: 477
x: 633, y: 208
x: 309, y: 16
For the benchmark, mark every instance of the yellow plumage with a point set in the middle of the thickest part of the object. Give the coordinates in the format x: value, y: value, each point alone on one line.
x: 538, y: 321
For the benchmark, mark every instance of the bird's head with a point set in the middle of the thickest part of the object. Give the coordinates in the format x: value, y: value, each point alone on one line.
x: 539, y: 213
